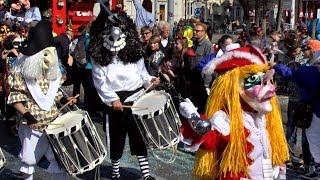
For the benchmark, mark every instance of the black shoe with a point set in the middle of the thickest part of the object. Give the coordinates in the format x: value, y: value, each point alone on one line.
x: 150, y: 178
x: 116, y: 177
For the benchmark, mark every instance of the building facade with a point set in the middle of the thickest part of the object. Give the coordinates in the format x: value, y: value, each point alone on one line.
x: 210, y: 10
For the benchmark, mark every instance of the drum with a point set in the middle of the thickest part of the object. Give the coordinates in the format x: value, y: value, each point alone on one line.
x: 77, y: 144
x: 3, y: 161
x: 157, y: 120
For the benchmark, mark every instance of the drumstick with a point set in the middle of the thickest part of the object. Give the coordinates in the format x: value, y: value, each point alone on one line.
x: 148, y: 87
x: 134, y: 107
x: 69, y: 102
x: 46, y: 124
x: 125, y: 106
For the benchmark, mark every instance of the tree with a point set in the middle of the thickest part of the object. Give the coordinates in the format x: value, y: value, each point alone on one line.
x: 314, y: 21
x: 258, y: 11
x: 279, y: 15
x: 264, y: 20
x: 245, y: 7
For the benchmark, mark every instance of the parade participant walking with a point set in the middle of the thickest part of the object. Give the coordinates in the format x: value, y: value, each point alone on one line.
x: 246, y: 140
x: 119, y: 75
x: 34, y: 84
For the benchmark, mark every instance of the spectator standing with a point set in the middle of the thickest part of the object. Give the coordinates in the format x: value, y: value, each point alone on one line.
x: 164, y: 28
x: 175, y: 29
x: 15, y: 15
x: 62, y: 45
x: 307, y: 80
x: 222, y: 44
x: 30, y: 13
x: 2, y: 9
x: 146, y: 33
x: 155, y: 55
x: 304, y: 34
x: 201, y: 45
x: 187, y: 80
x: 143, y: 14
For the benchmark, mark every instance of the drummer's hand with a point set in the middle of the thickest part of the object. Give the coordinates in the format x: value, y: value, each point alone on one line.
x: 31, y: 121
x: 36, y: 126
x: 72, y: 100
x: 117, y: 105
x: 155, y: 81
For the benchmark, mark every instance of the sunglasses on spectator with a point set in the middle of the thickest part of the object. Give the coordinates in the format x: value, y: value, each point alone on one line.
x: 145, y: 33
x: 198, y: 30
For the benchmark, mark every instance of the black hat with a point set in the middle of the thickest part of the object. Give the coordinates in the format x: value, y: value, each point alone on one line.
x: 39, y: 38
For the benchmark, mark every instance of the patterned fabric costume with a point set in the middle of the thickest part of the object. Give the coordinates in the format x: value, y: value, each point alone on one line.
x: 20, y: 93
x: 34, y: 83
x: 246, y: 140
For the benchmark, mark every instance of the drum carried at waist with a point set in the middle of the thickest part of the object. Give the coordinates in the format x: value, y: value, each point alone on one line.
x: 3, y: 161
x: 77, y: 144
x: 158, y: 122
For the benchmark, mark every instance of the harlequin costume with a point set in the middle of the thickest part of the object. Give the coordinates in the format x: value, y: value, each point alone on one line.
x: 246, y: 140
x: 119, y: 75
x: 34, y: 83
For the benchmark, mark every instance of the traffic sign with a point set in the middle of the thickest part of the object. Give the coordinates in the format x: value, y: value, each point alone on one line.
x: 197, y: 11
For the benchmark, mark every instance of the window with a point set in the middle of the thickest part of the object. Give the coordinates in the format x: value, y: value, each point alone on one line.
x: 162, y: 16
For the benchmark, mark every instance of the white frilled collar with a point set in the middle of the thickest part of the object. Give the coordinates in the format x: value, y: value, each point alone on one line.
x: 44, y: 101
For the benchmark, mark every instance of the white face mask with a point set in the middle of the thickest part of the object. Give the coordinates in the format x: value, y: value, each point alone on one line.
x: 17, y: 42
x: 48, y: 56
x: 257, y: 90
x: 115, y: 41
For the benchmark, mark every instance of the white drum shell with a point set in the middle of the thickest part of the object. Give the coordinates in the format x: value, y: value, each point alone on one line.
x: 77, y: 144
x: 160, y: 123
x: 3, y: 161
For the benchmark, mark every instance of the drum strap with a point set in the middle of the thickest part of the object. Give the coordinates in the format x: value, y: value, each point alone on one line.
x: 123, y: 95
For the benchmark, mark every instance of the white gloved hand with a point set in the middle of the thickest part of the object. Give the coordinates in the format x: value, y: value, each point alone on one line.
x: 187, y: 108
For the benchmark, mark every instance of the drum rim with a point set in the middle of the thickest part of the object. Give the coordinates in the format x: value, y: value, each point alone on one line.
x: 157, y: 112
x: 71, y: 129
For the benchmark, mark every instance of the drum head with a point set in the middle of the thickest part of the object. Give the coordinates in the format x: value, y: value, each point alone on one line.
x: 153, y: 101
x: 69, y: 120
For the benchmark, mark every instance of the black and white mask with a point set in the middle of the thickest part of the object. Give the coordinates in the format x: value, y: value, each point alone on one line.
x: 115, y: 41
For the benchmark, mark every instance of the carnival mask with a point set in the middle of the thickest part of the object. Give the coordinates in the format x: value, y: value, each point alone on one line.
x: 48, y: 56
x: 4, y: 31
x: 17, y: 42
x: 115, y: 41
x: 257, y: 90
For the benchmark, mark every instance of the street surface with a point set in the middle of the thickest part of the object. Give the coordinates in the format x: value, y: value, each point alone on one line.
x: 178, y: 170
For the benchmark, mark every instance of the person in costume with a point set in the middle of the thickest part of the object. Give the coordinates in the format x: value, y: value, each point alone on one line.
x: 246, y: 140
x: 119, y: 75
x: 34, y: 83
x: 4, y: 31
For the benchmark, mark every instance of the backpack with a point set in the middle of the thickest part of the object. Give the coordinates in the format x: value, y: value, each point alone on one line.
x: 79, y: 52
